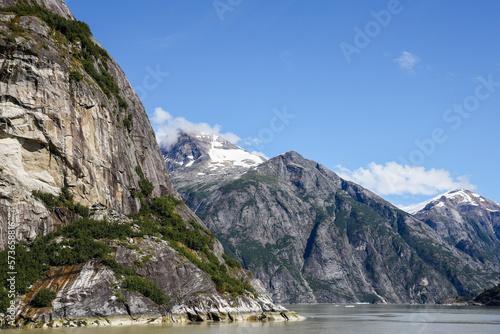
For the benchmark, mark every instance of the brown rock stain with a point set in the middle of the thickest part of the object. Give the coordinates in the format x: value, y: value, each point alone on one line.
x: 56, y: 279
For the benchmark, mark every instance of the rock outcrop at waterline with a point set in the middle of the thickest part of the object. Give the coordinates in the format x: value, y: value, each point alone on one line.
x: 73, y: 131
x: 88, y: 293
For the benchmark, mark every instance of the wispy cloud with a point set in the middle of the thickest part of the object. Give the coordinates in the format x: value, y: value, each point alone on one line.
x: 395, y: 179
x: 286, y: 58
x: 169, y: 129
x: 168, y: 40
x: 407, y: 61
x: 260, y: 154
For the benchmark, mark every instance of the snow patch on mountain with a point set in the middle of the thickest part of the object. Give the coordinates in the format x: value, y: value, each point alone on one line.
x: 206, y: 155
x: 465, y: 197
x: 414, y: 208
x: 236, y: 157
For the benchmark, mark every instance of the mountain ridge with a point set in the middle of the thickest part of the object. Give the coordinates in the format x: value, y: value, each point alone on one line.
x: 468, y: 197
x: 311, y: 236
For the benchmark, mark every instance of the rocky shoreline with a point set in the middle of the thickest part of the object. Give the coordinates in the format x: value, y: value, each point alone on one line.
x: 168, y: 319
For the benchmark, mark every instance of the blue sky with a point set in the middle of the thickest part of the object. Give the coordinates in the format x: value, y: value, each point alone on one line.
x: 400, y: 96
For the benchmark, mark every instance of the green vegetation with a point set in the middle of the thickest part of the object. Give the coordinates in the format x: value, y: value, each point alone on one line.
x: 10, y: 40
x: 128, y: 121
x: 146, y: 287
x: 320, y: 216
x: 354, y: 221
x: 369, y: 298
x: 73, y: 30
x: 90, y: 55
x: 43, y: 298
x: 160, y: 219
x: 4, y: 299
x: 75, y: 76
x: 217, y: 272
x: 490, y: 297
x: 122, y: 103
x: 73, y: 244
x: 146, y: 186
x: 82, y: 210
x: 472, y: 250
x: 15, y: 28
x: 252, y: 252
x: 198, y: 192
x: 89, y: 239
x: 232, y: 263
x: 65, y: 199
x: 50, y: 200
x: 251, y: 178
x: 119, y: 297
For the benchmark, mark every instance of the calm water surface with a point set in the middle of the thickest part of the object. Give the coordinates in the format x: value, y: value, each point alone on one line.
x: 330, y: 318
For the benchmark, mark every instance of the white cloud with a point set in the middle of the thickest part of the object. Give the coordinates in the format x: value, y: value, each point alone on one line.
x: 407, y: 61
x: 395, y: 179
x: 286, y: 57
x: 260, y: 154
x: 169, y: 129
x: 161, y: 116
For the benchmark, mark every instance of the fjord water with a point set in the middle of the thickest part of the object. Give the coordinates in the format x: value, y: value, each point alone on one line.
x: 330, y: 318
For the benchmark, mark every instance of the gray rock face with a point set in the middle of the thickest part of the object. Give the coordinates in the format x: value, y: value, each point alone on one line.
x: 56, y: 131
x: 312, y: 237
x: 468, y: 221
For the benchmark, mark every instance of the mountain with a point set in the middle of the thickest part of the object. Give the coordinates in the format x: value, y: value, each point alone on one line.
x: 91, y: 226
x: 207, y: 157
x: 311, y: 236
x: 458, y: 198
x: 199, y: 163
x: 466, y: 220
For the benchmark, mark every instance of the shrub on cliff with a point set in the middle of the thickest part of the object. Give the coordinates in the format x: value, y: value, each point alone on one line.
x: 43, y: 298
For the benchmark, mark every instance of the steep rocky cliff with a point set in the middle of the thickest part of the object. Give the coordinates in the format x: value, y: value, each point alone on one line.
x: 74, y: 134
x: 58, y: 126
x: 311, y: 236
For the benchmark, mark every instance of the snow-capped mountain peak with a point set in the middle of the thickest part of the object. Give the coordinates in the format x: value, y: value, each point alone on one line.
x: 208, y: 154
x: 459, y: 197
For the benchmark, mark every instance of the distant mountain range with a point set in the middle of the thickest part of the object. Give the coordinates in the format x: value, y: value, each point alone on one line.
x: 311, y: 236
